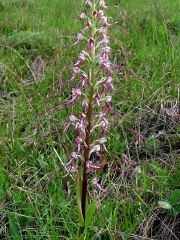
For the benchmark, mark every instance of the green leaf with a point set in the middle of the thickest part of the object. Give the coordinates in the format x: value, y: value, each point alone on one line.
x: 1, y: 229
x: 164, y: 205
x: 78, y: 197
x: 82, y: 237
x: 4, y: 182
x: 175, y: 200
x: 89, y: 214
x: 14, y: 227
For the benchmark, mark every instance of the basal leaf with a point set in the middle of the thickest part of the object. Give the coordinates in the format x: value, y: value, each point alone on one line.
x: 78, y: 197
x: 89, y: 214
x: 175, y: 200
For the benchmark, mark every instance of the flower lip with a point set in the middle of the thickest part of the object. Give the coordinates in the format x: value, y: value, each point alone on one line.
x: 82, y: 16
x: 97, y: 98
x: 108, y: 99
x: 80, y: 60
x: 94, y: 148
x: 74, y: 155
x: 88, y: 3
x: 95, y: 13
x: 102, y: 4
x: 72, y: 118
x: 98, y: 185
x: 101, y: 13
x: 91, y: 43
x: 102, y: 140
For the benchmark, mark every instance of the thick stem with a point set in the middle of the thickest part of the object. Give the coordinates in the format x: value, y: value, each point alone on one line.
x: 86, y: 159
x: 88, y: 128
x: 87, y: 149
x: 87, y: 141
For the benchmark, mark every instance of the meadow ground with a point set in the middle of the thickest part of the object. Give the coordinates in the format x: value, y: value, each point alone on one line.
x: 36, y: 58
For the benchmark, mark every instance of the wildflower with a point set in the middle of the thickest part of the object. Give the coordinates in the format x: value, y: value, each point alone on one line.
x: 98, y: 185
x: 75, y: 93
x: 97, y: 99
x: 108, y: 99
x: 102, y: 4
x: 95, y: 13
x: 104, y: 122
x: 84, y: 79
x: 91, y: 43
x: 82, y: 16
x: 88, y: 3
x: 94, y: 69
x: 80, y: 60
x: 88, y: 25
x: 72, y: 119
x: 94, y: 148
x: 78, y: 143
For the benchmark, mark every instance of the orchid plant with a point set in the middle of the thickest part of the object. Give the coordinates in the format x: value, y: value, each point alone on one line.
x: 94, y: 70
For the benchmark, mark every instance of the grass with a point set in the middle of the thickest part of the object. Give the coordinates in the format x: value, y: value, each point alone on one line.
x: 145, y: 40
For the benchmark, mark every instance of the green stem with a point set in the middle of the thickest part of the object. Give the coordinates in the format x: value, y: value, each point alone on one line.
x: 88, y: 134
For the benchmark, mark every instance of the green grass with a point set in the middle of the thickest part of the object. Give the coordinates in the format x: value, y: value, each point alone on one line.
x: 145, y: 40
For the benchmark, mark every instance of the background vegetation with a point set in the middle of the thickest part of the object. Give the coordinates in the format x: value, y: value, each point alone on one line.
x: 36, y: 56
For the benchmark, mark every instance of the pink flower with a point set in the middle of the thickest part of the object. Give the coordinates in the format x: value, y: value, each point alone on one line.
x: 74, y: 157
x: 106, y: 65
x: 76, y: 70
x: 108, y: 99
x: 75, y: 93
x: 85, y: 105
x: 101, y: 13
x: 98, y: 185
x: 104, y: 20
x: 104, y: 58
x: 102, y: 30
x: 80, y: 60
x: 70, y: 164
x: 97, y: 99
x: 80, y: 37
x: 84, y: 79
x: 104, y: 124
x: 88, y: 3
x: 105, y: 40
x: 91, y: 43
x: 109, y: 83
x: 95, y: 13
x: 78, y: 143
x: 82, y: 16
x: 102, y: 141
x: 81, y: 126
x: 94, y: 148
x: 72, y: 119
x: 88, y: 25
x: 102, y: 4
